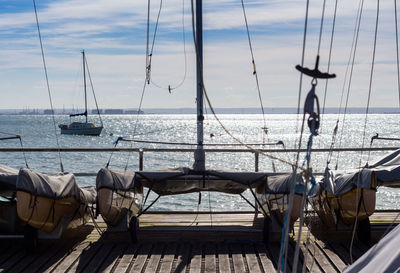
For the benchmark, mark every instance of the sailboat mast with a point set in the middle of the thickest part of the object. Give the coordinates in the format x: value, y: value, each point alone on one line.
x: 199, y: 155
x: 84, y: 81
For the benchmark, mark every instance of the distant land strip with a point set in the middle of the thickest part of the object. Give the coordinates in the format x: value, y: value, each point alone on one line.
x: 116, y: 111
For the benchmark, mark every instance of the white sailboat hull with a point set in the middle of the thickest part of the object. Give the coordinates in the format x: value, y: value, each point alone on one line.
x: 76, y: 128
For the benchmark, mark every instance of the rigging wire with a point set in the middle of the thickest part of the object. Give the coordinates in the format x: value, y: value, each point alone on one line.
x: 329, y: 62
x: 397, y: 49
x: 302, y: 64
x: 370, y: 83
x: 213, y: 110
x: 169, y: 88
x: 48, y: 86
x: 94, y: 95
x: 352, y: 57
x: 321, y: 27
x: 365, y: 125
x: 255, y: 70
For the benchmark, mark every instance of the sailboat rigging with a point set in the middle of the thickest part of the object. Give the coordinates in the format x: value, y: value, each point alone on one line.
x: 82, y: 128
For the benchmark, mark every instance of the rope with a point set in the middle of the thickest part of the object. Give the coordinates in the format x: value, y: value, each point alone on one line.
x: 147, y: 42
x: 355, y: 40
x: 48, y: 86
x: 364, y: 130
x: 94, y: 95
x: 397, y: 49
x: 169, y: 88
x: 321, y: 27
x: 329, y: 60
x: 216, y: 116
x: 254, y: 70
x: 302, y: 64
x: 370, y: 82
x: 149, y: 55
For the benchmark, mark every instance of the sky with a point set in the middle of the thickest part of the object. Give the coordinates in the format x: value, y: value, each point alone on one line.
x: 113, y: 35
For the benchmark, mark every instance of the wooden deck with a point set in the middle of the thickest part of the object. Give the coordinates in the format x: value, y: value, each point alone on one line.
x: 184, y: 242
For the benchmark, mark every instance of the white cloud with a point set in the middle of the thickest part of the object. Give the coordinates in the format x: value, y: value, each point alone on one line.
x: 114, y: 35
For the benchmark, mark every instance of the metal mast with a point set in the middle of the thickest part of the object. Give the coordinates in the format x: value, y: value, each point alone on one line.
x: 199, y: 155
x: 84, y: 82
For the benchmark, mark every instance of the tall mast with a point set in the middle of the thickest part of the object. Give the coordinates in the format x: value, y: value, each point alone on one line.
x: 199, y: 155
x: 84, y: 82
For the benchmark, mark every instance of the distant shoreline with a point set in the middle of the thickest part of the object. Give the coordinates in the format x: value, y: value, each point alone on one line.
x: 157, y: 111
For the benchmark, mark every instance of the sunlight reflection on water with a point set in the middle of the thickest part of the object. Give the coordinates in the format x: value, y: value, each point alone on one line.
x: 38, y: 131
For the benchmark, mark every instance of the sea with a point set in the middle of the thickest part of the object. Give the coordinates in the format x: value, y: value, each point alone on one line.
x: 354, y: 131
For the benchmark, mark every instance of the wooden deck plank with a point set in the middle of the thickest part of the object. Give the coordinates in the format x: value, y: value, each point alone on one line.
x: 274, y: 249
x: 141, y: 257
x: 12, y: 260
x: 155, y: 258
x: 342, y: 252
x: 237, y: 258
x: 330, y: 256
x: 265, y: 261
x: 356, y: 252
x: 85, y: 258
x: 168, y: 258
x: 70, y: 259
x: 320, y: 258
x: 182, y: 259
x: 290, y: 258
x: 51, y: 257
x: 251, y: 259
x: 29, y: 259
x: 195, y: 261
x: 126, y: 259
x: 210, y: 263
x: 101, y: 255
x: 223, y: 258
x: 309, y: 259
x: 335, y: 260
x: 14, y: 249
x: 110, y: 261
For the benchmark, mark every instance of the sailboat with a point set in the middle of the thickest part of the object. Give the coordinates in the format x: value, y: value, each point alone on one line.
x: 82, y: 128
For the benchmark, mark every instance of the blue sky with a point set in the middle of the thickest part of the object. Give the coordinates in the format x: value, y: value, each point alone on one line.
x: 113, y: 34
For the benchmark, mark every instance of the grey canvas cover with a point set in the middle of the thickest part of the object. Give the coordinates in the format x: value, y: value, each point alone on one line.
x: 382, y: 257
x: 54, y: 186
x: 382, y: 172
x: 280, y: 184
x: 115, y: 179
x: 185, y: 180
x: 8, y: 178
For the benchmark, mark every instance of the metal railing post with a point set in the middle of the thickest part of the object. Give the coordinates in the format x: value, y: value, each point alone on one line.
x: 256, y: 160
x: 141, y: 160
x: 256, y: 157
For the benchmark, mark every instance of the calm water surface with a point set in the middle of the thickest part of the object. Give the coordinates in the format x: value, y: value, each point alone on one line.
x: 38, y: 131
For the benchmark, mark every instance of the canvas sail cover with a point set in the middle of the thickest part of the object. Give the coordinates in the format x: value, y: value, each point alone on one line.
x: 280, y: 184
x: 54, y: 186
x: 8, y: 178
x: 185, y: 180
x: 115, y: 179
x: 382, y: 257
x: 383, y: 172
